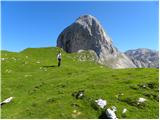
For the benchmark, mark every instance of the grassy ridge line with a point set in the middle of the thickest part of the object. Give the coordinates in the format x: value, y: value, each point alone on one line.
x: 42, y: 90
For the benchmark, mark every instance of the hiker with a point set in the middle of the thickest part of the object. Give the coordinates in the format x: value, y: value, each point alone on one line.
x: 59, y: 58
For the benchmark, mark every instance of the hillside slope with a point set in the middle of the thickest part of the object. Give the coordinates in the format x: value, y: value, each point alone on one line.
x: 42, y: 90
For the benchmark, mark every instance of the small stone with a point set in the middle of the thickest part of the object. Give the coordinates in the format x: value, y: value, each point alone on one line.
x: 101, y: 103
x: 141, y: 100
x: 124, y: 111
x: 111, y: 114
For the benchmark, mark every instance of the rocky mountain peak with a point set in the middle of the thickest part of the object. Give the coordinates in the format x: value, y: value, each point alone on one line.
x: 87, y: 20
x: 86, y: 33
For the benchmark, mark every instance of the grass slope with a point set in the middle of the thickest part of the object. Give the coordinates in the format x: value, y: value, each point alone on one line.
x: 42, y: 90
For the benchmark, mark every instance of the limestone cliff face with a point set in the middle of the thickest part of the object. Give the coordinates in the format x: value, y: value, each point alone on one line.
x: 86, y: 33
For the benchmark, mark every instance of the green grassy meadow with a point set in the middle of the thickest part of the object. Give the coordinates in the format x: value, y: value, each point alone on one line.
x: 43, y: 90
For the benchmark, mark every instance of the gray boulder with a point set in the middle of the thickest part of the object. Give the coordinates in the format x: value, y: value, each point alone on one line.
x: 86, y: 33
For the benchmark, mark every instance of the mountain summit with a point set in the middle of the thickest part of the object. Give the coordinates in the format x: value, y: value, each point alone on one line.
x: 86, y: 33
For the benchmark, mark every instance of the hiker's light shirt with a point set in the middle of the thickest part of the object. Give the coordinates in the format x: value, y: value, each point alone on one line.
x: 59, y: 56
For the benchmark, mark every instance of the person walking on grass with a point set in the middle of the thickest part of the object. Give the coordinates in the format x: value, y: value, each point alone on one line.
x: 59, y: 58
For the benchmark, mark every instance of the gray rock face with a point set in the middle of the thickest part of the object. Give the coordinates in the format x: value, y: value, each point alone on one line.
x: 144, y: 58
x: 86, y: 33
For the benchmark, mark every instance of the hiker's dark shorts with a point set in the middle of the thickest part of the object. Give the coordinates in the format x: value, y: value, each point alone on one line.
x: 59, y: 59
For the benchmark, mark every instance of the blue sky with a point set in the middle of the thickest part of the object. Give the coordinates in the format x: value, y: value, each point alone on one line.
x: 131, y: 25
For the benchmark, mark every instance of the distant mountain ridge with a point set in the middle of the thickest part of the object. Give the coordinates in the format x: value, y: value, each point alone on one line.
x: 144, y: 58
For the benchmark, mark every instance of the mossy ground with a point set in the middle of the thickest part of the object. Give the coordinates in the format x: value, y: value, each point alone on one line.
x: 43, y: 90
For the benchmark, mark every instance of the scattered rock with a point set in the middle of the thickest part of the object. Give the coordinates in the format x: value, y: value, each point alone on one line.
x: 124, y: 111
x: 144, y: 86
x: 111, y: 114
x: 141, y: 100
x: 101, y: 103
x: 8, y: 100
